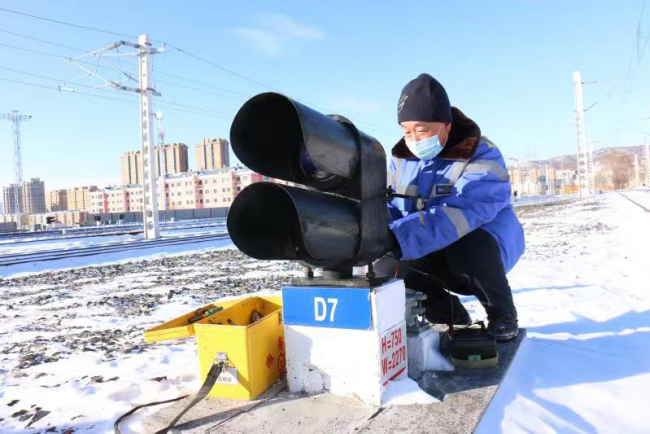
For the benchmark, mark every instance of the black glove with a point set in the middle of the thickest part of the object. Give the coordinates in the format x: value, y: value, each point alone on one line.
x: 392, y: 246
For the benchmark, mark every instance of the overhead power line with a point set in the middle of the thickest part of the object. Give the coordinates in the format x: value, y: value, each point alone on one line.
x: 33, y: 51
x: 94, y: 29
x: 109, y: 90
x: 202, y: 83
x: 57, y: 89
x: 43, y: 41
x: 165, y: 104
x: 234, y: 98
x: 229, y: 71
x: 187, y: 53
x: 201, y: 59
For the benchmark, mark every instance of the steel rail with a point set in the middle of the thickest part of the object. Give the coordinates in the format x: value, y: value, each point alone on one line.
x: 50, y: 255
x: 87, y: 233
x: 636, y: 203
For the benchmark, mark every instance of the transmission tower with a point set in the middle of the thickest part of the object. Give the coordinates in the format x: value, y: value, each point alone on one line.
x: 16, y: 118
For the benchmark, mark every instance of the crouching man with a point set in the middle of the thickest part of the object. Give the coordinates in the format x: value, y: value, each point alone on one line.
x: 453, y: 226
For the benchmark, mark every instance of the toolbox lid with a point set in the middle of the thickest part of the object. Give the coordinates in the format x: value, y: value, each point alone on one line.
x: 183, y: 326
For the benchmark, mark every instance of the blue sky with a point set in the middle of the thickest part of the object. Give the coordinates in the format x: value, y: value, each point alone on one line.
x: 506, y: 64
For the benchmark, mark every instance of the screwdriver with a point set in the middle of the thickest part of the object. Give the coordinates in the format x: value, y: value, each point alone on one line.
x: 205, y: 314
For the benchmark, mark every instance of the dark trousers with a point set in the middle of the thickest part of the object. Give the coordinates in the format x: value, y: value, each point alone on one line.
x: 470, y: 266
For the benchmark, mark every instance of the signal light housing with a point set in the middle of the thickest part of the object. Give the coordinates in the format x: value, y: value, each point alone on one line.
x: 337, y: 218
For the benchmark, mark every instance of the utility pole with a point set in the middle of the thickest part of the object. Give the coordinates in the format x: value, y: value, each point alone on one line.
x: 16, y: 118
x: 647, y: 164
x: 637, y: 178
x: 583, y: 153
x: 162, y: 159
x: 145, y: 89
x: 590, y: 162
x: 149, y: 190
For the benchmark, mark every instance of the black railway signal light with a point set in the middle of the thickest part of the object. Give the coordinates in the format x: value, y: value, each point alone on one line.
x: 337, y: 218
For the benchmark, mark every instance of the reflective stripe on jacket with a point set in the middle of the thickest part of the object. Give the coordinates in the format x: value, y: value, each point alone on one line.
x: 460, y: 196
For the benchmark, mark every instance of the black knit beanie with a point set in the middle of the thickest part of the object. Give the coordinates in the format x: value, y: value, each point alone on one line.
x: 424, y: 99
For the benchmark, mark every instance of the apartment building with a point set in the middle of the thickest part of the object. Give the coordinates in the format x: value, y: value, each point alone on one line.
x: 173, y: 157
x: 9, y: 199
x: 134, y: 198
x: 78, y: 198
x: 131, y: 168
x: 31, y: 197
x: 191, y: 190
x: 56, y: 200
x: 110, y: 199
x: 212, y: 154
x: 34, y: 196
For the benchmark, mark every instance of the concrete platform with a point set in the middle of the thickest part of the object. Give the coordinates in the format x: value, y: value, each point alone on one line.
x: 464, y: 395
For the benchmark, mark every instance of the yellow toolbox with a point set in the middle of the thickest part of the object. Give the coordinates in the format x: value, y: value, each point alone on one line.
x: 248, y: 330
x: 255, y: 348
x: 181, y: 327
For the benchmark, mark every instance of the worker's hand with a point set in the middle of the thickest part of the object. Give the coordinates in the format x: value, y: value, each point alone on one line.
x: 392, y: 246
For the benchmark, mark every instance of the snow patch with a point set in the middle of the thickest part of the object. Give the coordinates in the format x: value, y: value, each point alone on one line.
x: 405, y: 392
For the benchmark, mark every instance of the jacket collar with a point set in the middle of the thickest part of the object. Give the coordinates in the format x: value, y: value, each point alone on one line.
x: 463, y: 140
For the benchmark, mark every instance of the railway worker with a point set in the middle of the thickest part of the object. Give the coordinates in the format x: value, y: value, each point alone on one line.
x: 454, y: 227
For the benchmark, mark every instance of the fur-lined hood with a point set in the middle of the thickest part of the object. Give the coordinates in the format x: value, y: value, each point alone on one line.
x: 464, y: 138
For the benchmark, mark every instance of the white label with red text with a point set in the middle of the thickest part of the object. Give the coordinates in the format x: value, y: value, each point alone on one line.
x: 392, y: 353
x: 228, y: 376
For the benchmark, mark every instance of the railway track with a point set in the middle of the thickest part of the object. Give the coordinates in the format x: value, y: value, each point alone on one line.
x: 643, y: 207
x: 543, y: 202
x: 54, y: 254
x: 35, y: 237
x: 51, y: 255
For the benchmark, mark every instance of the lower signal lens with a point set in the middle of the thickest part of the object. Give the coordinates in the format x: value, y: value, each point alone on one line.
x: 310, y: 171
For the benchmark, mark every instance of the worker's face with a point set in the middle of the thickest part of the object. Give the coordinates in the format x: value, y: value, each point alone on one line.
x: 418, y: 130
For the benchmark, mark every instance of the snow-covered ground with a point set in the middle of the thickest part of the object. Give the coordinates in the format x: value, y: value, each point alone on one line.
x: 583, y: 292
x: 72, y: 355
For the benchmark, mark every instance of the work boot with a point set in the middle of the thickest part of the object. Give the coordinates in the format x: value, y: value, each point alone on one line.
x: 504, y: 329
x: 439, y: 312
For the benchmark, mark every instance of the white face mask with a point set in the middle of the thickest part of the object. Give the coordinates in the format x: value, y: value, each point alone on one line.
x: 426, y: 149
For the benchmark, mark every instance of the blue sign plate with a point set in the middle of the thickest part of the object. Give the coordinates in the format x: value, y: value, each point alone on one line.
x: 343, y: 308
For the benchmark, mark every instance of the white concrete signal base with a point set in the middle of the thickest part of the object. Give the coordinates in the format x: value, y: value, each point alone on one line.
x: 347, y: 341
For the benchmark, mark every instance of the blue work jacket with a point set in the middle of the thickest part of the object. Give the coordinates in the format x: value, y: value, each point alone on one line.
x: 456, y: 196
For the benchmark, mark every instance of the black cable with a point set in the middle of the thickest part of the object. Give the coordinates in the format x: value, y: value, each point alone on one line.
x: 442, y: 282
x: 116, y: 425
x: 210, y: 380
